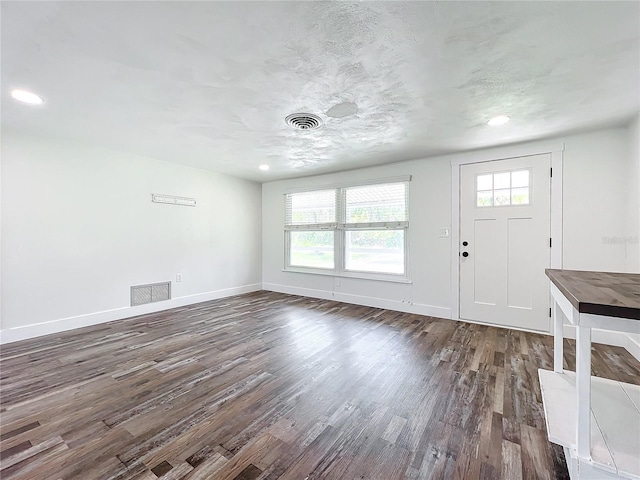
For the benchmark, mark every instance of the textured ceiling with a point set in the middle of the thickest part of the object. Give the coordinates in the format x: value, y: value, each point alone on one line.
x: 208, y: 84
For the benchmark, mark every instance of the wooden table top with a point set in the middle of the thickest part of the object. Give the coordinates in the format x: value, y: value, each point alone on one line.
x: 600, y: 293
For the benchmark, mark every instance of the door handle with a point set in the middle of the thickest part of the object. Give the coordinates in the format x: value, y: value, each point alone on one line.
x: 465, y: 243
x: 465, y: 254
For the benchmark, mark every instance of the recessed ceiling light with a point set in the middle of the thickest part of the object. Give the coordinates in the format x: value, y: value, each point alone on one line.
x: 499, y: 120
x: 26, y: 97
x: 264, y: 168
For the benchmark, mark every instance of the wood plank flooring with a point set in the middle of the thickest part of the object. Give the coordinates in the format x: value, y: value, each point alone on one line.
x: 273, y: 386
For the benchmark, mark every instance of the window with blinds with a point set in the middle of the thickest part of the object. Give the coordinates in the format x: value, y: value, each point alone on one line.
x: 352, y: 231
x: 380, y: 205
x: 374, y: 228
x: 310, y: 222
x: 309, y: 210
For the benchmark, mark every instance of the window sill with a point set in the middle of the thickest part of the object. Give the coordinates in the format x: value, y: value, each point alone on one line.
x: 356, y: 275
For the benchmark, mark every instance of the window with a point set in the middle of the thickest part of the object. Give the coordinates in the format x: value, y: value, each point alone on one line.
x: 375, y: 223
x: 503, y: 188
x: 351, y: 231
x: 311, y: 220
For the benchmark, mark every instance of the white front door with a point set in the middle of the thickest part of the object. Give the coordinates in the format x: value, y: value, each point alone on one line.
x: 505, y: 242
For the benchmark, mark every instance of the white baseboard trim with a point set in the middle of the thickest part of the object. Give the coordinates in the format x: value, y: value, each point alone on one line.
x: 495, y: 325
x: 397, y: 305
x: 620, y: 339
x: 607, y: 337
x: 10, y: 335
x: 633, y: 346
x: 303, y: 292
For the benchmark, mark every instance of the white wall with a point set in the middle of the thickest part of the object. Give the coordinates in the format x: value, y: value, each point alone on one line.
x: 595, y: 201
x: 632, y: 241
x: 79, y: 228
x: 595, y: 197
x: 430, y: 208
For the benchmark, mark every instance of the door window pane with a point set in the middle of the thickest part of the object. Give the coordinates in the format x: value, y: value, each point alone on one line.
x: 379, y: 251
x: 520, y: 178
x: 503, y: 188
x: 502, y: 197
x: 312, y: 249
x: 519, y: 196
x: 485, y: 182
x: 501, y: 180
x: 485, y: 199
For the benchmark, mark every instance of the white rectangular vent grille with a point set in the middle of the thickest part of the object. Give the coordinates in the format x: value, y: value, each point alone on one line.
x: 173, y: 200
x: 153, y: 292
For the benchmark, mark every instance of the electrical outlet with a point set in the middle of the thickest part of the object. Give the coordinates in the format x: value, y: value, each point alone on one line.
x: 179, y: 277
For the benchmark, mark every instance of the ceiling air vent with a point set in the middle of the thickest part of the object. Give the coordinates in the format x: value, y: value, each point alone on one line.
x: 304, y: 121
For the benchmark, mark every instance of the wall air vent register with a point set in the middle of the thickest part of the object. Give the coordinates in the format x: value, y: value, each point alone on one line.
x: 150, y: 293
x: 173, y: 200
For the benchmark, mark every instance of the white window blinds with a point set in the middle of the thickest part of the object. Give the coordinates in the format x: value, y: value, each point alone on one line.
x: 379, y: 206
x: 383, y: 205
x: 311, y: 210
x: 350, y: 229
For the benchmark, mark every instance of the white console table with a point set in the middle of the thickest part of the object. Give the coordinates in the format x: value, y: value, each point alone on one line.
x: 596, y: 420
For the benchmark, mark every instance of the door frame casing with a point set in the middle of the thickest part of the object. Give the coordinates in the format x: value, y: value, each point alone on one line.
x: 556, y: 151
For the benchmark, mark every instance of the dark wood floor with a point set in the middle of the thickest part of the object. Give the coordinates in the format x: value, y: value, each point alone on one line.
x: 272, y: 386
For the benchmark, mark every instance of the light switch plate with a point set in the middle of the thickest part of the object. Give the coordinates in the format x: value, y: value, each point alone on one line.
x: 444, y: 232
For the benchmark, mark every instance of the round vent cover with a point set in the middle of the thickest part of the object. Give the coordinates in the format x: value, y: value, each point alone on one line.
x: 304, y: 121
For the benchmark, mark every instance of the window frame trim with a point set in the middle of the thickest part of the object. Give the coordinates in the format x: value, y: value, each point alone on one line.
x: 338, y: 185
x: 340, y: 228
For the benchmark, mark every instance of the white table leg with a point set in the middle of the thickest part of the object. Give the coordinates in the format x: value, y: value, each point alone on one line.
x: 583, y: 391
x: 558, y: 336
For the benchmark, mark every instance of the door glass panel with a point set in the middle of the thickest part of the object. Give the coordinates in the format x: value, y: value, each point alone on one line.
x: 501, y: 180
x: 502, y: 197
x: 485, y: 199
x: 520, y: 196
x: 485, y: 182
x: 520, y: 178
x: 503, y: 188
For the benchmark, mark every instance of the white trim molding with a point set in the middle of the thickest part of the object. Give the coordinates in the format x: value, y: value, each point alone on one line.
x: 70, y: 323
x: 555, y: 150
x: 506, y: 153
x: 396, y: 305
x: 632, y: 344
x: 355, y: 183
x: 599, y: 336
